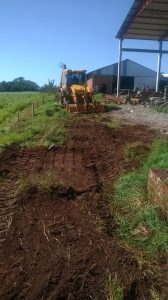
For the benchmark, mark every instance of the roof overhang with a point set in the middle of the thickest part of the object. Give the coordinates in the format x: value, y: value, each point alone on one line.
x: 146, y: 20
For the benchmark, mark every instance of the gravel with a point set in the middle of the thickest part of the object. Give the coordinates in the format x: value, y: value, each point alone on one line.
x: 144, y: 115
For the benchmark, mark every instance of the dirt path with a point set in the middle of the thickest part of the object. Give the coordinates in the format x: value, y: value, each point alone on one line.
x: 144, y: 115
x: 59, y: 243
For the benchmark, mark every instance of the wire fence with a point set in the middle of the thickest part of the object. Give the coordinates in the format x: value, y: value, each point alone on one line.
x: 18, y: 121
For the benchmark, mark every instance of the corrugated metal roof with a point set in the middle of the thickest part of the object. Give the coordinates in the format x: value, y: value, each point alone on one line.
x: 147, y: 19
x: 128, y: 68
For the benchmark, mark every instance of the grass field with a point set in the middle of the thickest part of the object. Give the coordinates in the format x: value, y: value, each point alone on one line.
x: 11, y: 103
x: 31, y: 119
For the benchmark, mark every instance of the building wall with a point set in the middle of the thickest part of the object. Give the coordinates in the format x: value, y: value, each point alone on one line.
x: 90, y: 83
x: 98, y: 81
x: 110, y: 83
x: 143, y: 76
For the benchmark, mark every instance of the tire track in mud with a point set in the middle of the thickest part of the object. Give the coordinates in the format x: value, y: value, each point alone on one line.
x: 87, y: 157
x: 56, y: 249
x: 21, y: 165
x: 66, y: 163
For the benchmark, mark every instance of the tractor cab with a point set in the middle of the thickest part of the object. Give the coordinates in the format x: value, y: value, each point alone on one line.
x: 71, y: 77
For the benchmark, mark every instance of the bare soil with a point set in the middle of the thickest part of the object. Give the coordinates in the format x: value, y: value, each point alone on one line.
x: 60, y: 244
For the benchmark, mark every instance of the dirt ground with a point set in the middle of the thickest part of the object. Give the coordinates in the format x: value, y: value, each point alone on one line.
x: 60, y: 243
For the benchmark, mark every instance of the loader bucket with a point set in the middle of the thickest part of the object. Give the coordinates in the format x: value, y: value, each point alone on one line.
x: 76, y: 108
x: 72, y: 108
x: 82, y: 108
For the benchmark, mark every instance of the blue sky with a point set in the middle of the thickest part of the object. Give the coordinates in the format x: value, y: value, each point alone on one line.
x: 36, y: 35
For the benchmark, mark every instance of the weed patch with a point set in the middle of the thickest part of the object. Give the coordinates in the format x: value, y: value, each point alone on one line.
x: 114, y: 290
x: 116, y: 123
x: 134, y: 151
x: 44, y: 182
x: 129, y: 152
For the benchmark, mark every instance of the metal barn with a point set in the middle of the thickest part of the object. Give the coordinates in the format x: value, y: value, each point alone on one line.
x: 132, y: 75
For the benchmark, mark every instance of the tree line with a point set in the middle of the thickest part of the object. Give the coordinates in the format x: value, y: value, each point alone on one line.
x: 22, y: 85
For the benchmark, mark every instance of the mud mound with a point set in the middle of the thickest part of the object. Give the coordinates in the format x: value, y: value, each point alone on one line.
x: 55, y: 242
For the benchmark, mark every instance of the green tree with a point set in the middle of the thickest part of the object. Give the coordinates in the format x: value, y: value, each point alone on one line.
x: 18, y: 85
x: 50, y: 87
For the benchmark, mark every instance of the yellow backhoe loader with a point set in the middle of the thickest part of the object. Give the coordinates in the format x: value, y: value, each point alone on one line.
x: 75, y: 94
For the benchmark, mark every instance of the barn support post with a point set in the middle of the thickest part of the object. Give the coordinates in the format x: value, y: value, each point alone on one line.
x: 159, y: 66
x: 160, y: 52
x: 119, y: 67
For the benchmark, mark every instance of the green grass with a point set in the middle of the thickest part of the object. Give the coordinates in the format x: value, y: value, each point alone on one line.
x: 111, y: 106
x: 98, y: 97
x: 46, y: 127
x: 139, y: 221
x: 158, y: 108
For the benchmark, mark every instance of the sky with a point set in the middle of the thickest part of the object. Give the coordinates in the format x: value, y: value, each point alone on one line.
x: 36, y: 35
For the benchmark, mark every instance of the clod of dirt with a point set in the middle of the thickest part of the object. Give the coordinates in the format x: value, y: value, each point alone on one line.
x: 4, y: 173
x: 62, y: 192
x: 131, y: 294
x: 53, y: 147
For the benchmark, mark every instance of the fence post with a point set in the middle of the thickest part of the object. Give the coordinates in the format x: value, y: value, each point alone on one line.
x: 32, y: 110
x: 18, y: 119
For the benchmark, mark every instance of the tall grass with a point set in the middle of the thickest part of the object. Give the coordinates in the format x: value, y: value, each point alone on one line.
x: 11, y: 103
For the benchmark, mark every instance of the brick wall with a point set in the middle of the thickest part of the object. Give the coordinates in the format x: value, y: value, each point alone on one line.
x: 90, y: 83
x: 158, y: 189
x: 98, y: 80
